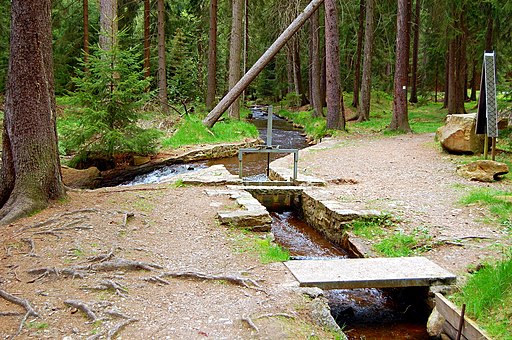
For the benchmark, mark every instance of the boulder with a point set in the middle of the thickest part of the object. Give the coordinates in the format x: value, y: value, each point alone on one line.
x: 458, y: 135
x: 435, y: 323
x: 82, y: 179
x: 482, y: 170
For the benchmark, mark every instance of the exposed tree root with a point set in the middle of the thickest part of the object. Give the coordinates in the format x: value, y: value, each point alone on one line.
x: 80, y: 271
x: 108, y: 191
x: 102, y: 257
x: 114, y: 330
x: 240, y: 281
x: 272, y: 315
x: 58, y: 218
x: 20, y: 302
x: 32, y: 245
x: 10, y: 313
x: 82, y: 307
x: 109, y: 284
x: 251, y: 323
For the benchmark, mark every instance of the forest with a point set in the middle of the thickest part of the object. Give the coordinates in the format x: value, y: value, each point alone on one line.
x: 123, y: 69
x: 104, y: 84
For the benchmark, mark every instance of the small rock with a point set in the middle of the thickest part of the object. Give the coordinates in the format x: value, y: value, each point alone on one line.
x: 458, y: 134
x: 435, y: 323
x: 483, y: 170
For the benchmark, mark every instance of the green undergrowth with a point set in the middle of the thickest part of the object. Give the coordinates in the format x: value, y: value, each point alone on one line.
x: 265, y: 249
x: 191, y: 131
x: 488, y: 297
x: 389, y: 241
x: 498, y: 202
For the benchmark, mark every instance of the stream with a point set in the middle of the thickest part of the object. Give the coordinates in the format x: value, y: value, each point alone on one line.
x: 361, y: 313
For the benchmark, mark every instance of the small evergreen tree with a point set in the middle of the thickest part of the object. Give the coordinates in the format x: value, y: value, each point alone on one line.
x: 106, y: 106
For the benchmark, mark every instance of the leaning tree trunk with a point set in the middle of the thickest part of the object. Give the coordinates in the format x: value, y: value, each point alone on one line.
x: 235, y: 50
x: 363, y: 109
x: 212, y: 57
x: 400, y: 119
x: 270, y: 53
x: 30, y: 173
x: 335, y: 117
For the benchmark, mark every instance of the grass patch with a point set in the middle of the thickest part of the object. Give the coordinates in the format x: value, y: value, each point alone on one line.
x: 498, y: 202
x: 396, y: 245
x: 315, y: 127
x: 270, y: 252
x: 371, y: 228
x: 247, y: 242
x: 191, y: 131
x: 488, y: 298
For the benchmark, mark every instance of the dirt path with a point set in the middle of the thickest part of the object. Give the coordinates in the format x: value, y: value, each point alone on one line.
x: 412, y: 179
x: 174, y: 230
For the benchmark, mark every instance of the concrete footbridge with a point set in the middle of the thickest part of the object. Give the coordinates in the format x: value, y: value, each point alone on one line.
x: 369, y: 273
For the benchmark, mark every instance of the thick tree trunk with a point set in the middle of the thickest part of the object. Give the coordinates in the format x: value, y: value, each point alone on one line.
x: 400, y: 119
x: 147, y: 46
x: 30, y: 173
x: 162, y: 67
x: 363, y: 110
x: 415, y: 51
x: 235, y: 92
x: 86, y: 29
x: 289, y: 69
x: 316, y: 91
x: 108, y: 24
x: 473, y: 84
x: 212, y: 56
x: 335, y: 116
x: 357, y: 69
x: 235, y: 51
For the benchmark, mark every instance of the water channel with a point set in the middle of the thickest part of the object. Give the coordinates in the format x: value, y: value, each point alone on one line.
x: 362, y: 313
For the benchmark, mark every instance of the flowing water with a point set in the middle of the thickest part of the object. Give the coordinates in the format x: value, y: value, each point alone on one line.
x: 362, y: 313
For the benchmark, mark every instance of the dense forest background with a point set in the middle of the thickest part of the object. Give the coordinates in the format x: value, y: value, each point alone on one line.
x: 474, y: 26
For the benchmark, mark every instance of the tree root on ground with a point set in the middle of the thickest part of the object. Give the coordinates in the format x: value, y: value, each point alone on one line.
x: 30, y: 311
x: 251, y: 324
x: 109, y: 284
x: 82, y: 307
x: 236, y: 280
x: 106, y: 266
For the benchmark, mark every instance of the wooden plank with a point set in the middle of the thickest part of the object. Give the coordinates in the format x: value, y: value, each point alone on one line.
x: 452, y: 314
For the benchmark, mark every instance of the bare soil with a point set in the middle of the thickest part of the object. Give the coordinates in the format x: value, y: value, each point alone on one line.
x: 114, y: 250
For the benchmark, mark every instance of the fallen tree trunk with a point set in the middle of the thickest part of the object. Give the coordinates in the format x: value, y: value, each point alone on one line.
x: 242, y: 84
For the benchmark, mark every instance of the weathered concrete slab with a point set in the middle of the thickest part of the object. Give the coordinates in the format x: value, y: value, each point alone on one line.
x: 369, y: 273
x: 213, y: 175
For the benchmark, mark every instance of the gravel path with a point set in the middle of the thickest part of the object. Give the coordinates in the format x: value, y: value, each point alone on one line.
x: 412, y: 179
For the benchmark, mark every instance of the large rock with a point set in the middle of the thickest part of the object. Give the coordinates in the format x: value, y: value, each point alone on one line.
x: 482, y: 170
x: 458, y: 135
x: 89, y: 178
x: 435, y: 323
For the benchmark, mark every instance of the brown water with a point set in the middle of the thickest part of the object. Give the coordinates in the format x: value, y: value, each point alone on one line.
x: 284, y: 135
x: 362, y: 313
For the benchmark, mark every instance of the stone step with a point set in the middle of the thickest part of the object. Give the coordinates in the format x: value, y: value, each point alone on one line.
x: 369, y: 273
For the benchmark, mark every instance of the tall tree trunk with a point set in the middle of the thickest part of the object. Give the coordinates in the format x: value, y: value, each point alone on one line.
x: 335, y: 116
x: 473, y: 84
x: 289, y: 68
x: 363, y: 110
x: 316, y: 91
x: 235, y: 50
x: 323, y: 79
x: 457, y: 61
x: 86, y: 30
x: 108, y: 24
x: 446, y: 78
x: 147, y: 46
x: 212, y: 56
x: 357, y: 70
x: 260, y: 64
x: 400, y: 119
x: 490, y: 29
x: 30, y: 174
x: 162, y: 67
x: 415, y: 51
